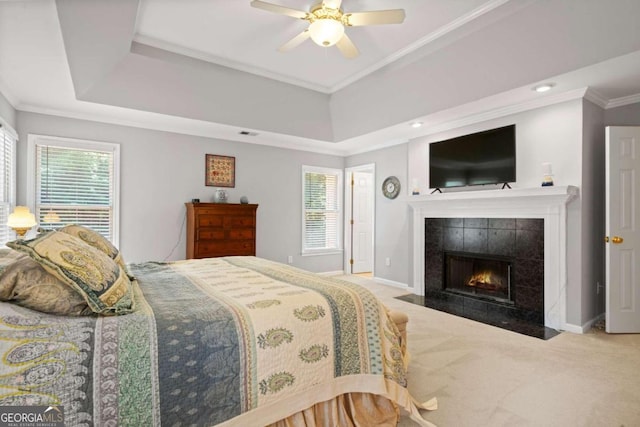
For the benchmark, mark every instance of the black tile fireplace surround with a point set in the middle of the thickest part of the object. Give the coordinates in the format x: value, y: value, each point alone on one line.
x: 518, y: 241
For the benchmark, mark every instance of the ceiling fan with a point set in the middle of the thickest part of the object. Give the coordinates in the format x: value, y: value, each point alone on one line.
x: 327, y: 22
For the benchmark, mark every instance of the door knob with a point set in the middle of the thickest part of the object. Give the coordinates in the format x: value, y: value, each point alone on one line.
x: 617, y: 239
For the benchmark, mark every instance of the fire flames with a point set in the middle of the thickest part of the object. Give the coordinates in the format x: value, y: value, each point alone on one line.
x: 485, y: 280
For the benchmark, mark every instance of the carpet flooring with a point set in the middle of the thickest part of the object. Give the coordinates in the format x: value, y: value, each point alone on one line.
x: 487, y: 376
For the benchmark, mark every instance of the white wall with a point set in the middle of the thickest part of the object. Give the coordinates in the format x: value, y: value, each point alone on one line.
x: 160, y: 171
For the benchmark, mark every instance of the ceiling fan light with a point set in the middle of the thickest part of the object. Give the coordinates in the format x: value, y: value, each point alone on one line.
x: 326, y: 32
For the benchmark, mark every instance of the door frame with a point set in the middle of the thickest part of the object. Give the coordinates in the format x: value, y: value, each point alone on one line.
x: 371, y: 168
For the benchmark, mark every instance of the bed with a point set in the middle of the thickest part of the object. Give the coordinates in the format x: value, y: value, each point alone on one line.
x: 219, y: 341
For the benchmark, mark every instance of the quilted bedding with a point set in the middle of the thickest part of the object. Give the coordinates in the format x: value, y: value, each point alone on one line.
x: 237, y: 341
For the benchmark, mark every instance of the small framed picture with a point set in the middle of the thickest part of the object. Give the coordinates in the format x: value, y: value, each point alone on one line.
x: 220, y: 171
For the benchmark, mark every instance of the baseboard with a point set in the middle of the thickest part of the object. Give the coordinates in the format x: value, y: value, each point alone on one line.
x: 390, y: 283
x: 585, y: 327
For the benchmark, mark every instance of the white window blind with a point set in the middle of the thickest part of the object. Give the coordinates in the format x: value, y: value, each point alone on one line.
x: 322, y: 199
x: 76, y: 185
x: 7, y: 182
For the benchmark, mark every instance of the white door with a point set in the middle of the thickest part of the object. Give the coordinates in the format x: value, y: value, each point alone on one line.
x: 362, y: 215
x: 622, y: 235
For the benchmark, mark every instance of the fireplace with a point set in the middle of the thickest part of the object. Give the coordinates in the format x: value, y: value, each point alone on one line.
x: 479, y: 276
x: 491, y: 268
x: 539, y: 250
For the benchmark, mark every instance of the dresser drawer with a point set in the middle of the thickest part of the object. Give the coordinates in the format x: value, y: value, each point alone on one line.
x: 241, y: 234
x: 210, y: 234
x: 214, y: 249
x: 210, y: 220
x: 238, y: 221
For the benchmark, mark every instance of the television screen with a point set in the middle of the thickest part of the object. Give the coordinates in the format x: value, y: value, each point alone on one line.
x: 487, y: 157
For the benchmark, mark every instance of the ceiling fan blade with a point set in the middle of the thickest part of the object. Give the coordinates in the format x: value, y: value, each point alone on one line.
x: 347, y: 48
x: 332, y: 4
x: 294, y: 42
x: 275, y: 8
x: 375, y: 17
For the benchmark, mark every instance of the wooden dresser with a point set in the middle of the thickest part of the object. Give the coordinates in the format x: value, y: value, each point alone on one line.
x: 220, y: 229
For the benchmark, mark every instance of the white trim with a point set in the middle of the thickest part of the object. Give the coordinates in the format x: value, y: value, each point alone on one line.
x: 370, y: 167
x: 185, y: 126
x: 390, y: 283
x: 431, y: 37
x: 470, y: 113
x: 35, y: 139
x: 596, y: 97
x: 323, y: 252
x: 621, y: 102
x: 8, y: 129
x: 225, y: 62
x: 262, y: 72
x: 548, y: 203
x: 585, y: 327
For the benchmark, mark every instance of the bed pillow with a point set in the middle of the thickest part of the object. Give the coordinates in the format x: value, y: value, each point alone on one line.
x: 29, y: 285
x: 89, y: 271
x: 8, y: 256
x: 96, y: 240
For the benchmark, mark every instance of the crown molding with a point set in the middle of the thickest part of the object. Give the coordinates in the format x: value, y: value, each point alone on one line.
x: 213, y: 59
x: 621, y: 102
x: 484, y: 111
x: 490, y: 114
x: 440, y: 32
x: 596, y: 97
x: 179, y: 125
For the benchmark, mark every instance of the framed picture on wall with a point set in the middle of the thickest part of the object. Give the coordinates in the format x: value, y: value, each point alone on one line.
x: 220, y: 171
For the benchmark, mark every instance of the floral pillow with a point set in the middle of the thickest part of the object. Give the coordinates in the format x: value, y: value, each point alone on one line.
x: 26, y: 283
x: 96, y: 240
x: 89, y: 271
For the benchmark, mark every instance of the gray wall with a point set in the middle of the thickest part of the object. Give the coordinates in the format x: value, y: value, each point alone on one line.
x: 392, y: 216
x: 628, y: 115
x: 593, y: 212
x: 160, y: 171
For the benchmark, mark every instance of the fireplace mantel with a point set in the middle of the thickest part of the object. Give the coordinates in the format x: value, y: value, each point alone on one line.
x: 548, y: 203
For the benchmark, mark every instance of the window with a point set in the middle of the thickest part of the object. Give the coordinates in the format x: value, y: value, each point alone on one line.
x: 76, y: 182
x: 322, y: 200
x: 7, y: 181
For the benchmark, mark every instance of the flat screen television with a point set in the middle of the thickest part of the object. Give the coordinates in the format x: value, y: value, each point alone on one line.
x: 482, y: 158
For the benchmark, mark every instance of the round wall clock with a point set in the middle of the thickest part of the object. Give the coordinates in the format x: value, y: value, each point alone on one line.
x: 391, y: 187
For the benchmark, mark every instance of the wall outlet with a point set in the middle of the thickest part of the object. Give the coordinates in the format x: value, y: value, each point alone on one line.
x: 387, y: 262
x: 290, y: 259
x: 598, y: 288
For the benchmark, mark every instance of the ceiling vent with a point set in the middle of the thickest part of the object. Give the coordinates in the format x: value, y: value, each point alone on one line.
x: 246, y: 132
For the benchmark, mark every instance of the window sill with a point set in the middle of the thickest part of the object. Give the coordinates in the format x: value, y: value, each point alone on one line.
x: 328, y: 252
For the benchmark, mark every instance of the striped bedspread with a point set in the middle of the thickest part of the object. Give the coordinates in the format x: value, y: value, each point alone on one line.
x: 234, y: 340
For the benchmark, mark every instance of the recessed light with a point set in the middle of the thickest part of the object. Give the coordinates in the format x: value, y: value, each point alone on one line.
x: 544, y: 87
x: 416, y: 125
